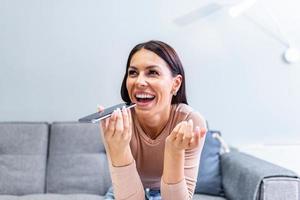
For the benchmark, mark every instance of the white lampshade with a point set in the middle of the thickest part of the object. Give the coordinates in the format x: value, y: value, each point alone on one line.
x: 237, y: 9
x: 292, y: 55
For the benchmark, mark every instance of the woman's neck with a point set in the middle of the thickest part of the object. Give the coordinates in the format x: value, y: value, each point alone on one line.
x: 154, y: 124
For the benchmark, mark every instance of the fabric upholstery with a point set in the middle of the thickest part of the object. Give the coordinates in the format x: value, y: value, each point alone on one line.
x: 83, y: 197
x: 207, y: 197
x: 277, y: 188
x: 209, y: 175
x: 243, y: 174
x: 77, y: 160
x: 23, y: 153
x: 77, y: 169
x: 53, y: 197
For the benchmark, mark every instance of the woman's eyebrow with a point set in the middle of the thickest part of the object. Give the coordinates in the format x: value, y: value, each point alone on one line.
x: 148, y: 67
x: 152, y: 66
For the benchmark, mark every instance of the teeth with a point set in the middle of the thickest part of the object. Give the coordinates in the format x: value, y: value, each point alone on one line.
x: 144, y: 96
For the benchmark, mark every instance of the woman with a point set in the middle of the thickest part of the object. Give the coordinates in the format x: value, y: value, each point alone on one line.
x: 154, y: 149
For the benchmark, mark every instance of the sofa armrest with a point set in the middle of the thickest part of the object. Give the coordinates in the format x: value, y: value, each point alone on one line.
x: 279, y: 188
x: 250, y: 178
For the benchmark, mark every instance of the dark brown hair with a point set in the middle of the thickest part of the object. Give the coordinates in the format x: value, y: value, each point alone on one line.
x: 168, y: 54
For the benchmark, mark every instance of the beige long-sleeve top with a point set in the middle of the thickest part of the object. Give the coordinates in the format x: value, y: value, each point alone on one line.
x: 146, y: 171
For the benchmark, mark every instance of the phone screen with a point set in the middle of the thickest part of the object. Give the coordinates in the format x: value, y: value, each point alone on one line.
x: 95, y: 117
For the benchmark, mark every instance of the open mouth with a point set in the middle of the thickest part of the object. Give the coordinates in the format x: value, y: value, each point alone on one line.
x: 144, y: 98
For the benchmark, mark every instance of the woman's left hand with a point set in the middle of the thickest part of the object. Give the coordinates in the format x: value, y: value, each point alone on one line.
x: 184, y: 136
x: 181, y: 138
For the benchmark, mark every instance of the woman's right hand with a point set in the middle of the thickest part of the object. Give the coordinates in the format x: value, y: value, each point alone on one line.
x: 117, y: 133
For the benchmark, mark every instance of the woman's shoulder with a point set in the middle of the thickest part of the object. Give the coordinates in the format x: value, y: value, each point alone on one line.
x: 185, y: 109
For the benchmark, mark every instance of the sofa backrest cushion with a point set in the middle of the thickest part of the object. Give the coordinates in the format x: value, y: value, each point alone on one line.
x: 77, y: 161
x: 209, y: 179
x: 23, y: 154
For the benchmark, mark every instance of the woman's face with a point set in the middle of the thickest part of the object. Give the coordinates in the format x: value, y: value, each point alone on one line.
x: 150, y: 83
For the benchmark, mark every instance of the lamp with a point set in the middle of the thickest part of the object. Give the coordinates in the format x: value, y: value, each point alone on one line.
x: 291, y: 54
x: 238, y: 9
x: 235, y: 9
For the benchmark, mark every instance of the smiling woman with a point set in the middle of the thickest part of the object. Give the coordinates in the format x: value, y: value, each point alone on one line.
x: 150, y: 85
x: 154, y: 149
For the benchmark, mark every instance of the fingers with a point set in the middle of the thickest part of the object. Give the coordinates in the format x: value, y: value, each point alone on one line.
x: 199, y: 134
x: 129, y: 115
x: 173, y: 134
x: 100, y: 108
x: 130, y: 119
x: 202, y: 132
x: 102, y: 122
x: 126, y: 121
x: 118, y: 124
x: 184, y: 136
x: 111, y: 124
x: 188, y: 136
x: 195, y: 141
x: 181, y: 132
x: 185, y: 133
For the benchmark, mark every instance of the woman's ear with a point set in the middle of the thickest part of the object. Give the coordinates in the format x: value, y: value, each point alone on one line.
x: 176, y: 83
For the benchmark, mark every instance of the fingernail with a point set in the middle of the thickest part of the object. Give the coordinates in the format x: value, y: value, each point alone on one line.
x: 203, y: 133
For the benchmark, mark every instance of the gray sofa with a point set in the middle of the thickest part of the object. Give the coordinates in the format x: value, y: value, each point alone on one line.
x: 67, y: 161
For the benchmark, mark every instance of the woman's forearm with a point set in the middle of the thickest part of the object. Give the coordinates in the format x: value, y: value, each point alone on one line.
x: 173, y: 171
x: 173, y: 184
x: 120, y: 159
x: 126, y: 182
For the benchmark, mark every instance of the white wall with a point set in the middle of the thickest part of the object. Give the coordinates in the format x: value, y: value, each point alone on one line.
x: 59, y: 59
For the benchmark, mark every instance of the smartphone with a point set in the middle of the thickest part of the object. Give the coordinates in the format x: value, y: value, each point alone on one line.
x: 107, y: 112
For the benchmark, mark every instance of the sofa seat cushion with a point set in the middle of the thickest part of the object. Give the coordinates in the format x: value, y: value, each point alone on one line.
x: 52, y: 197
x: 23, y: 155
x: 77, y: 161
x: 83, y: 197
x: 206, y: 197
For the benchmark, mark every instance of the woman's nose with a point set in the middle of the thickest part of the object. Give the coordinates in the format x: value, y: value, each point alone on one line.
x: 141, y: 80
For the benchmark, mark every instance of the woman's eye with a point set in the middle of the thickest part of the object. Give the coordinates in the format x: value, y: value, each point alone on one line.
x: 132, y: 72
x: 153, y: 72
